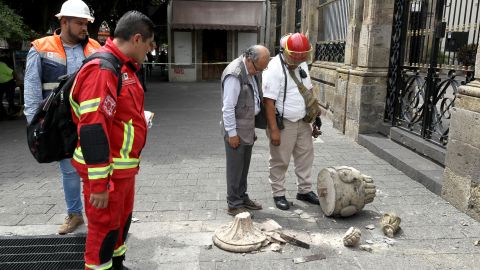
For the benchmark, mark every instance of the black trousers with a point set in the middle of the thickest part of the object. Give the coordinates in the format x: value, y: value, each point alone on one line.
x: 238, y: 163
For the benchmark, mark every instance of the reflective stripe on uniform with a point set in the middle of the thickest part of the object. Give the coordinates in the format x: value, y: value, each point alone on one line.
x: 75, y: 106
x: 78, y: 155
x: 99, y: 172
x: 50, y: 86
x: 128, y: 136
x: 120, y: 250
x: 125, y: 163
x: 54, y: 57
x: 118, y: 163
x: 106, y: 265
x: 90, y: 105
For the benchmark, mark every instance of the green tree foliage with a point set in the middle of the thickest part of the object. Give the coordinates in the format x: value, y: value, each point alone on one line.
x: 12, y: 27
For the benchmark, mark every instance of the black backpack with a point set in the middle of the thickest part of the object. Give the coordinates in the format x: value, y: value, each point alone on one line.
x: 52, y: 134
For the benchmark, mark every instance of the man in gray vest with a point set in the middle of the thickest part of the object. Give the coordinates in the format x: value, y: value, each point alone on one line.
x: 241, y: 95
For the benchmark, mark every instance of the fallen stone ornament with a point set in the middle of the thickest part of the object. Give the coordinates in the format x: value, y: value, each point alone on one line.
x: 390, y: 224
x: 352, y: 237
x: 239, y: 235
x: 343, y: 191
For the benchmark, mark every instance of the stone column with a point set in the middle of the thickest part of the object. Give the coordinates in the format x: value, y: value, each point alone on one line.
x: 461, y: 177
x: 343, y: 73
x: 367, y: 84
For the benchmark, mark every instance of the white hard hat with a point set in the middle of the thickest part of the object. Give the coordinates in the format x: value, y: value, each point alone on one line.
x: 75, y: 8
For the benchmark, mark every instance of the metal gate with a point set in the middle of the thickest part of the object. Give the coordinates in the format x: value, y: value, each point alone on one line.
x: 433, y: 52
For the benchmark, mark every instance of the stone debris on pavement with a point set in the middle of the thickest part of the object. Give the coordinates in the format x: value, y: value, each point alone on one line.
x: 476, y: 243
x: 305, y: 216
x: 309, y: 258
x: 291, y: 239
x: 390, y: 224
x: 370, y: 227
x: 269, y: 225
x: 276, y: 247
x: 366, y: 248
x: 298, y: 211
x: 352, y: 237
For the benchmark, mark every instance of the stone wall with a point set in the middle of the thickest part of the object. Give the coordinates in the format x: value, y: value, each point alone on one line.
x: 324, y: 79
x: 461, y: 177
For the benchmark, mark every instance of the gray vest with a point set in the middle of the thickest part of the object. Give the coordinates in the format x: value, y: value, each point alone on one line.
x: 245, y: 108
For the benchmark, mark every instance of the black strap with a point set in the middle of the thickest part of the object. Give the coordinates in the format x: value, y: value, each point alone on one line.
x: 116, y: 65
x: 285, y: 86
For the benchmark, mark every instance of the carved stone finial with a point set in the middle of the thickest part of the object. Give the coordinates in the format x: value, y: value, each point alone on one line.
x: 352, y: 237
x: 239, y: 235
x: 390, y: 224
x: 343, y: 190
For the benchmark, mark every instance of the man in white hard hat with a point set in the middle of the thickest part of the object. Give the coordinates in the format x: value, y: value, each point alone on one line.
x: 48, y: 59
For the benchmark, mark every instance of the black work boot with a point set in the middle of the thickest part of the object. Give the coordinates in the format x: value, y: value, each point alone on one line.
x: 118, y: 263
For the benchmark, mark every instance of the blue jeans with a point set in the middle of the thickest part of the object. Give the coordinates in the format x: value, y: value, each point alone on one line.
x: 71, y: 187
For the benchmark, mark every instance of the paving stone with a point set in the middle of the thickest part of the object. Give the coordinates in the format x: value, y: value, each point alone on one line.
x: 10, y: 219
x: 35, y: 219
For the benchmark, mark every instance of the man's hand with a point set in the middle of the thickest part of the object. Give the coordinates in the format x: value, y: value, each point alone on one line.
x: 99, y: 200
x: 234, y: 141
x: 275, y: 137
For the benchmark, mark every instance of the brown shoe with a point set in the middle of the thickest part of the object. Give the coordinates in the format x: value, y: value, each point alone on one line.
x: 252, y: 205
x: 71, y: 223
x: 235, y: 211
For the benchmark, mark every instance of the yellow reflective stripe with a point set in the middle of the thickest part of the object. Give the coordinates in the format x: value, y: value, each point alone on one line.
x: 128, y: 136
x: 99, y: 173
x: 90, y: 105
x: 75, y: 106
x: 125, y: 163
x: 78, y: 155
x: 120, y: 250
x: 106, y: 265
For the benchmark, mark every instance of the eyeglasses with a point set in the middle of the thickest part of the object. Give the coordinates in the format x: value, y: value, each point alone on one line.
x: 256, y: 69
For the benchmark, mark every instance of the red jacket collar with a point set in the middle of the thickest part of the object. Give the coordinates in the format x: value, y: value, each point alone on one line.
x: 130, y: 62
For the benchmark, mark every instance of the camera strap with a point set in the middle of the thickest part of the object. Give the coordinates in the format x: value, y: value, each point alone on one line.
x: 285, y: 85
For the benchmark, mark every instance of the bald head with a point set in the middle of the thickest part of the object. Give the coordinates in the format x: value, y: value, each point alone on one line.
x: 259, y: 56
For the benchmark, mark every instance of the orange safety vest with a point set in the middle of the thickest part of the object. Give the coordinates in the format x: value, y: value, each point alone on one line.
x: 54, y: 59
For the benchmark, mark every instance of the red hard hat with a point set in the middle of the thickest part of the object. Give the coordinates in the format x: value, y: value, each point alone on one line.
x: 298, y: 47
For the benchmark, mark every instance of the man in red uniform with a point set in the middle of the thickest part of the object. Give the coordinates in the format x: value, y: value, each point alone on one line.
x: 112, y: 133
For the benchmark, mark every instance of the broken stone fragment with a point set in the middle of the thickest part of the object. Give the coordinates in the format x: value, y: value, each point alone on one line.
x: 370, y: 227
x: 390, y: 223
x: 366, y: 248
x: 343, y: 191
x: 269, y: 225
x: 298, y: 211
x: 275, y: 247
x: 352, y: 237
x: 240, y: 235
x: 476, y: 243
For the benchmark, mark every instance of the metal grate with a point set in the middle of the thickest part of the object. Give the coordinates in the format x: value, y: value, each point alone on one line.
x: 42, y: 252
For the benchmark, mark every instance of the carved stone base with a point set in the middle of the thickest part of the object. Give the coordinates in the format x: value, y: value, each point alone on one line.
x: 239, y: 235
x: 343, y: 190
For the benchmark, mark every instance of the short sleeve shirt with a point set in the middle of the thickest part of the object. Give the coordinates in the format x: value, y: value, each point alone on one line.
x: 273, y: 85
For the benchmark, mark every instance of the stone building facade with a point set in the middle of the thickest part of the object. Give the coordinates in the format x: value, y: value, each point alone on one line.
x: 353, y: 87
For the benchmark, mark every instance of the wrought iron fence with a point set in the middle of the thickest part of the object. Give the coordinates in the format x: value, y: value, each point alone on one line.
x: 333, y: 22
x: 432, y: 54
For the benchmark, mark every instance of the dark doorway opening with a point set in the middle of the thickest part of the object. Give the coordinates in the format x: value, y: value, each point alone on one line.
x: 214, y: 51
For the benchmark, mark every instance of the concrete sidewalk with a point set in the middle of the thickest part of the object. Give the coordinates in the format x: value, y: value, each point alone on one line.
x: 180, y: 198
